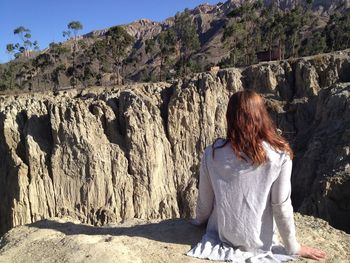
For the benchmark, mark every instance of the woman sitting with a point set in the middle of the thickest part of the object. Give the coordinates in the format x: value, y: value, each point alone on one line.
x: 244, y: 186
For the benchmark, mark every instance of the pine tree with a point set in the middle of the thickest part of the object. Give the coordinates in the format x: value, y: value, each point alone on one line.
x: 24, y: 34
x: 162, y: 46
x: 73, y: 28
x: 25, y: 45
x: 187, y: 37
x: 116, y: 43
x: 233, y: 36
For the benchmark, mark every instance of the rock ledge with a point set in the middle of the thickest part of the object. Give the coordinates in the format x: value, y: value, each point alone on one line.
x: 67, y: 240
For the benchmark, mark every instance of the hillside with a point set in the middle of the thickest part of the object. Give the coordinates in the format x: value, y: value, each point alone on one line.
x: 227, y: 34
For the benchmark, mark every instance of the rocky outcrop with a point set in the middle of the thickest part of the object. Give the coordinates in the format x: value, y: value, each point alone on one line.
x: 141, y: 28
x: 105, y: 155
x: 66, y: 240
x: 327, y: 155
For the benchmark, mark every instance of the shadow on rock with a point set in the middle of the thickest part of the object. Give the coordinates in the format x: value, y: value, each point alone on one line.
x: 176, y: 231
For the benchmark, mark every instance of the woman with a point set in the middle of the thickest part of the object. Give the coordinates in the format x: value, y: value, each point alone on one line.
x: 244, y: 184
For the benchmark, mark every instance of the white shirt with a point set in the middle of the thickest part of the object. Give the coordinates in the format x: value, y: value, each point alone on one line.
x: 240, y: 201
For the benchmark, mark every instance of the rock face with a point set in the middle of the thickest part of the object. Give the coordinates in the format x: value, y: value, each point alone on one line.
x: 105, y: 155
x: 65, y: 240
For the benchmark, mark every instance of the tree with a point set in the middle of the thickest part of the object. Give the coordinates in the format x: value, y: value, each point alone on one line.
x: 293, y: 24
x: 250, y: 20
x: 167, y: 42
x: 40, y: 63
x: 24, y: 34
x: 56, y: 50
x: 25, y: 45
x: 36, y: 45
x: 150, y: 45
x: 163, y: 45
x: 268, y: 32
x: 273, y: 32
x: 10, y: 49
x: 280, y: 35
x: 309, y: 4
x: 55, y: 76
x: 314, y: 44
x: 247, y: 34
x: 73, y: 28
x: 187, y: 37
x: 114, y: 48
x: 337, y: 31
x: 8, y: 75
x: 232, y: 37
x: 119, y: 40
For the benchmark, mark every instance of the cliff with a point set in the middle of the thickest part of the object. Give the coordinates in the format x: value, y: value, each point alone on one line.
x: 104, y: 155
x: 66, y: 240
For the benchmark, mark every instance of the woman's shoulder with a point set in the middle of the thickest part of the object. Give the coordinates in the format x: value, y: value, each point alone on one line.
x: 217, y: 144
x: 275, y: 154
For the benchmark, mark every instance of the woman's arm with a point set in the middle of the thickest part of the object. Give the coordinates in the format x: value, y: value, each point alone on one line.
x: 283, y: 213
x: 282, y: 207
x: 205, y: 198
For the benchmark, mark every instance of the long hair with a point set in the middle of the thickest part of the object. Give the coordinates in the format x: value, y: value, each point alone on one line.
x: 248, y: 125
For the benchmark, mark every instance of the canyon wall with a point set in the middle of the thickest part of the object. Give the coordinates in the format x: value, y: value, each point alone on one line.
x: 104, y: 155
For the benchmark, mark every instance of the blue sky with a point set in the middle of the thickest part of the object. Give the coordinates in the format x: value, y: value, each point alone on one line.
x: 47, y: 19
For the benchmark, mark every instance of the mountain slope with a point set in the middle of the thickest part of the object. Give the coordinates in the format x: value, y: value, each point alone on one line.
x: 229, y: 34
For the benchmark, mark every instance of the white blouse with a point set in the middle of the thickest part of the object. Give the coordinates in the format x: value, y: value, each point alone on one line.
x: 240, y: 201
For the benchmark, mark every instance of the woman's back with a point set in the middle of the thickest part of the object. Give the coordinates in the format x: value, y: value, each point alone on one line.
x: 242, y: 214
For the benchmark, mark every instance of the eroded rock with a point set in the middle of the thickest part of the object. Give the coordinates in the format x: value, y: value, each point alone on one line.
x: 105, y: 155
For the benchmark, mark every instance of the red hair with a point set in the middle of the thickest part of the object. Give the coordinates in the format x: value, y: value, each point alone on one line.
x: 248, y: 125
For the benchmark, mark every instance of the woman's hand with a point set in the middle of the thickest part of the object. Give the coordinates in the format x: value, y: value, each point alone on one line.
x: 310, y: 252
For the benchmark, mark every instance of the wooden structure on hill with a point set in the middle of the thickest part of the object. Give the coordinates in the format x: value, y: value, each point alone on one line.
x: 268, y: 55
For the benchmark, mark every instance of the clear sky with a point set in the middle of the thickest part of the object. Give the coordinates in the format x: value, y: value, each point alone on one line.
x: 48, y: 18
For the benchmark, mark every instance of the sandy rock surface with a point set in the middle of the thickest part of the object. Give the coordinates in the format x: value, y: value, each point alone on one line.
x: 66, y: 240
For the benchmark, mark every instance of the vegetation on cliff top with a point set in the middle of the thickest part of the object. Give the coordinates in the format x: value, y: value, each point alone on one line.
x: 181, y: 46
